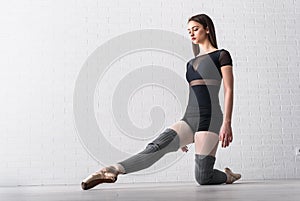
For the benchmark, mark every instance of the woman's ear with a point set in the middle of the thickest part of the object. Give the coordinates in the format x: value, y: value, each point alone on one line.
x: 207, y: 30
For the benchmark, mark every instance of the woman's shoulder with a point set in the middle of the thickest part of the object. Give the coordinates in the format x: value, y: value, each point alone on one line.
x: 224, y: 50
x: 225, y: 57
x: 224, y: 53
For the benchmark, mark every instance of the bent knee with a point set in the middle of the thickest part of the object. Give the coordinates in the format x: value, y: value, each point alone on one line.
x: 202, y: 179
x: 204, y: 168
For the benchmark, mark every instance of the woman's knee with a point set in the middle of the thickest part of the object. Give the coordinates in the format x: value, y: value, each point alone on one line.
x: 167, y: 141
x: 204, y: 168
x: 202, y: 179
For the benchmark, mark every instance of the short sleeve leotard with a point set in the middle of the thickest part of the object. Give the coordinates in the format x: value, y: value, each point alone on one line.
x: 203, y: 112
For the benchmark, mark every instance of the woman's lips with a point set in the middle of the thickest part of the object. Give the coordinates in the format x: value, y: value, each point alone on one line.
x: 193, y: 38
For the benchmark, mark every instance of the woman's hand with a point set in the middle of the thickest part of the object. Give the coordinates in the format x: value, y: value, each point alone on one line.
x: 225, y: 134
x: 184, y: 149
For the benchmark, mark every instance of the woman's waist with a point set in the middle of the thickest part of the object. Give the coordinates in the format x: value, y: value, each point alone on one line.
x: 204, y: 101
x: 204, y: 108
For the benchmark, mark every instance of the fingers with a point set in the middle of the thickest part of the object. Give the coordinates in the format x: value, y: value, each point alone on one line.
x: 224, y: 142
x: 226, y: 139
x: 184, y: 149
x: 230, y: 138
x: 221, y: 137
x: 227, y: 142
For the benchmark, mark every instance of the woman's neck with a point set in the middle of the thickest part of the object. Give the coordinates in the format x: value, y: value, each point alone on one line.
x: 206, y: 47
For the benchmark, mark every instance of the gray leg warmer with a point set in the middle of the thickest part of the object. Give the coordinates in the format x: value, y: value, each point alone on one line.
x: 166, y: 142
x: 204, y: 172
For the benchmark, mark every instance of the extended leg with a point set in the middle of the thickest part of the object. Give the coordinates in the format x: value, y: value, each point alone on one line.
x: 178, y: 135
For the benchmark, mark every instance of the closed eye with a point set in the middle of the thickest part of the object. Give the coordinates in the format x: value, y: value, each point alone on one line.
x: 194, y: 30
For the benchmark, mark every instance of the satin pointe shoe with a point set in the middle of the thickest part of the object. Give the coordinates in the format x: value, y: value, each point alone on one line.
x: 232, y: 176
x: 106, y: 175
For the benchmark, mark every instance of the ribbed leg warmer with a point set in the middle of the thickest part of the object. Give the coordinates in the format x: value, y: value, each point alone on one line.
x: 204, y: 172
x: 166, y: 142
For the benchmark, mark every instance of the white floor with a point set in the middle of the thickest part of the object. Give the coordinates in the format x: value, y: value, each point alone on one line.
x: 281, y: 190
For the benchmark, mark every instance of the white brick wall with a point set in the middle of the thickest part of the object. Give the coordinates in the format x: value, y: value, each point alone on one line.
x: 45, y: 43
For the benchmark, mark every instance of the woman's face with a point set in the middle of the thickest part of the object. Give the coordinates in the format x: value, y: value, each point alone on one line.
x: 197, y: 32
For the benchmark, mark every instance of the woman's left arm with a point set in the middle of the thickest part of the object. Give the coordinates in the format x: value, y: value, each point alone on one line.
x: 226, y: 132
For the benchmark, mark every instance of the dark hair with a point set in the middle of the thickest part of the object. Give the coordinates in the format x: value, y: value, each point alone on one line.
x: 206, y: 21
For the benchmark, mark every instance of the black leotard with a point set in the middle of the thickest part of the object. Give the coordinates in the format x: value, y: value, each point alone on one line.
x: 203, y: 63
x: 203, y: 104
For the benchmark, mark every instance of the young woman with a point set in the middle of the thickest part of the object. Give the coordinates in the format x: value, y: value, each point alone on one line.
x: 203, y: 122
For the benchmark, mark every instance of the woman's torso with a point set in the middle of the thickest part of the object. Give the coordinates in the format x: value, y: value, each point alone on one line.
x: 205, y: 68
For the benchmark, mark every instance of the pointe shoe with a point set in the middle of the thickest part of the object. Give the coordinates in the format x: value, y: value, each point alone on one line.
x: 106, y: 175
x: 232, y: 176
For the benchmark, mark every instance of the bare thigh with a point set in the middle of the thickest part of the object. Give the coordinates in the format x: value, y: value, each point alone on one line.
x: 185, y: 133
x: 206, y: 143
